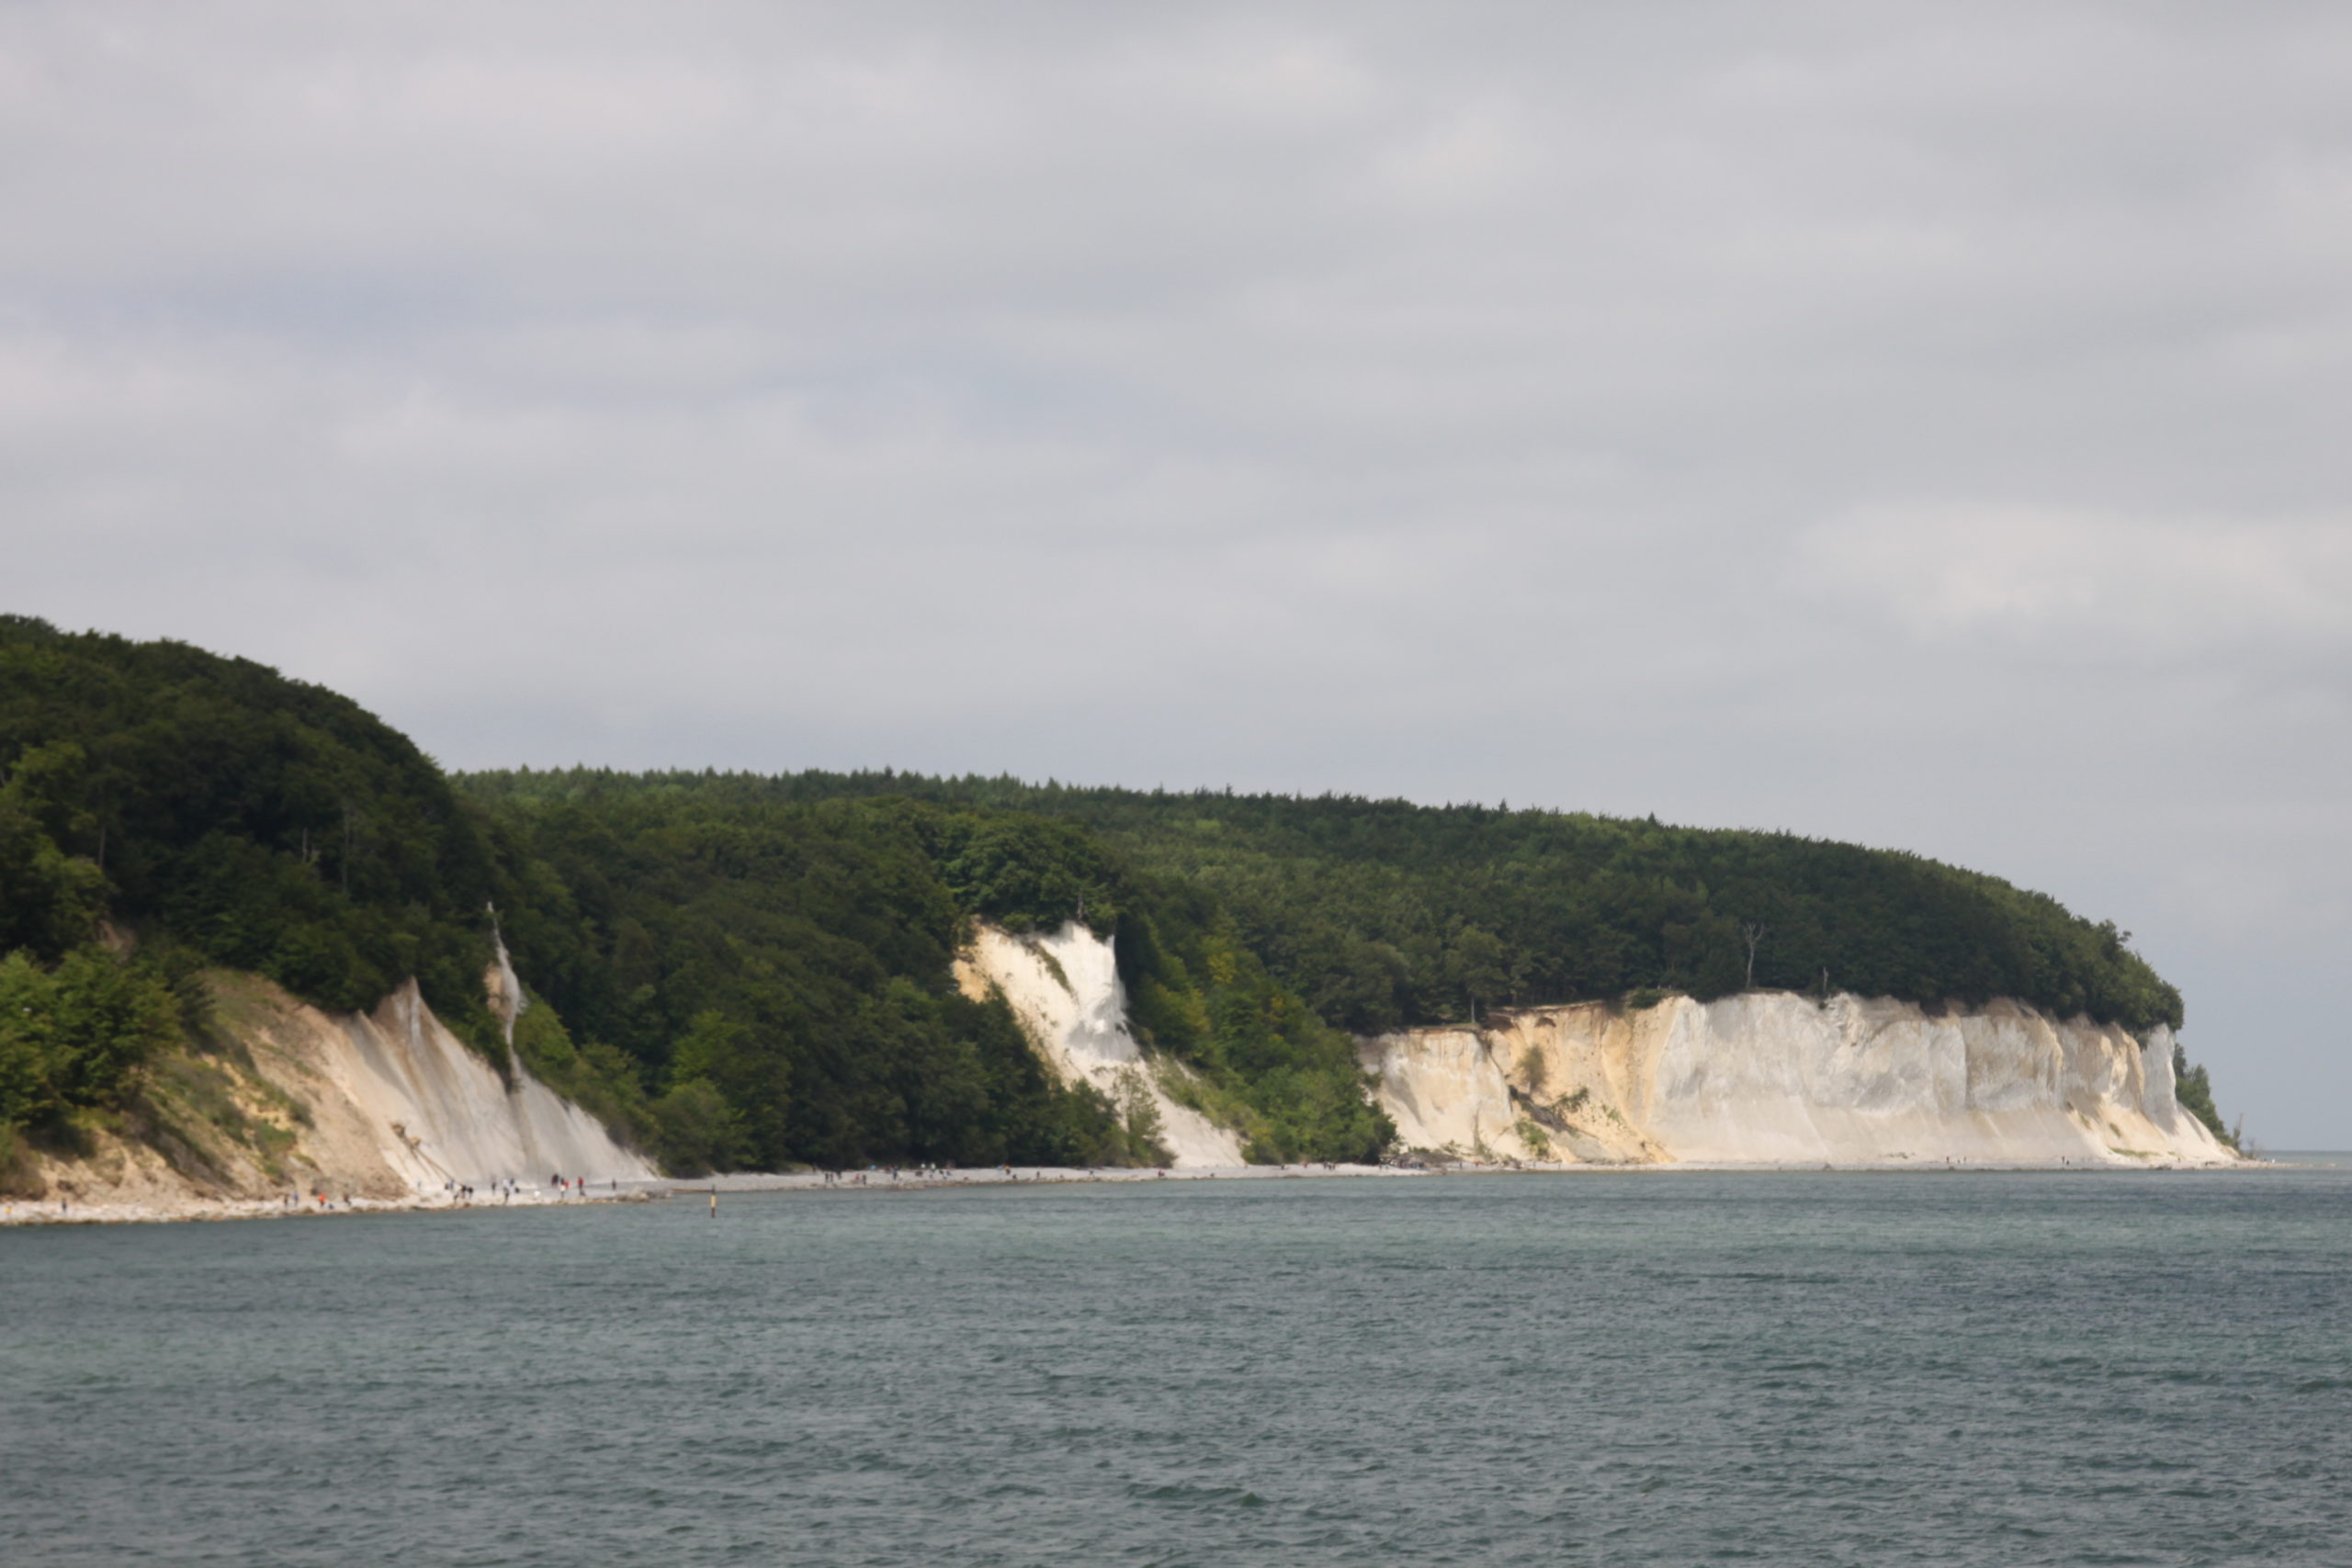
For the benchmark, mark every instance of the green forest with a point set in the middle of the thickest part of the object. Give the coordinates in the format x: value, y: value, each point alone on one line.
x: 795, y: 957
x: 741, y: 971
x: 1381, y: 913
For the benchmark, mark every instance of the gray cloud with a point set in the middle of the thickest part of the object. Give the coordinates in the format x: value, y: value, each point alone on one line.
x: 1917, y: 424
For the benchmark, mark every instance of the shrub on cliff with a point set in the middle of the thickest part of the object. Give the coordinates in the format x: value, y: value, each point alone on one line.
x: 74, y: 1037
x: 2194, y: 1090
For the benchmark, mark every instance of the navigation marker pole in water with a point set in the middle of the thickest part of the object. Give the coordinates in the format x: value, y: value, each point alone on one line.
x: 714, y: 1203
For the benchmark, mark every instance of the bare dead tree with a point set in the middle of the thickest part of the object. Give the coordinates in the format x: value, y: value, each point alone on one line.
x: 1751, y: 933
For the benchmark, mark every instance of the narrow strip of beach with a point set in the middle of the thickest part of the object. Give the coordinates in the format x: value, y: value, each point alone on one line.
x: 68, y: 1209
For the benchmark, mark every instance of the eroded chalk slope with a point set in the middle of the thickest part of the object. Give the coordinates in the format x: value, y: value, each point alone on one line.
x: 1064, y: 987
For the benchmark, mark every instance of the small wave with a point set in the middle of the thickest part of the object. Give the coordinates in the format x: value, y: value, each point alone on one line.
x: 1184, y: 1494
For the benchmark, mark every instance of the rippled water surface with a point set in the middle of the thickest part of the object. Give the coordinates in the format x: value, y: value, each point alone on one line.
x: 1662, y: 1367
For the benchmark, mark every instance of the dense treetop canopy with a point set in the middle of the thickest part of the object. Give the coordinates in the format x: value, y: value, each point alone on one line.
x: 272, y: 824
x: 1384, y: 913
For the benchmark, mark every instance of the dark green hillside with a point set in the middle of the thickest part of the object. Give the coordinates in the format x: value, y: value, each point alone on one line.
x: 795, y: 957
x: 781, y: 976
x: 1382, y: 912
x: 1385, y: 912
x: 162, y: 810
x: 266, y: 824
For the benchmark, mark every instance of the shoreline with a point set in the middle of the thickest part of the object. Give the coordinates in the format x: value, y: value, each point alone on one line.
x: 28, y: 1211
x: 36, y: 1211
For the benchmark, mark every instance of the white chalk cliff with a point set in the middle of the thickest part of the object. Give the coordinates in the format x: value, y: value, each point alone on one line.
x: 1773, y: 1078
x: 1065, y: 989
x: 439, y: 1112
x: 387, y: 1107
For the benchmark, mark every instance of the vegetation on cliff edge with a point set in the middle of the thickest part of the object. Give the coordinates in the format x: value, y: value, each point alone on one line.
x: 1384, y: 913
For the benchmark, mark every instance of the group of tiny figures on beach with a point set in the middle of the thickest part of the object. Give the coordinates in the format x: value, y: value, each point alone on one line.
x: 942, y: 1173
x: 927, y: 1173
x: 947, y: 1173
x: 506, y: 1189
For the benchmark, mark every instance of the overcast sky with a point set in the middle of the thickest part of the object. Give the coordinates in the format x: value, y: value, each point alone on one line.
x: 1929, y: 425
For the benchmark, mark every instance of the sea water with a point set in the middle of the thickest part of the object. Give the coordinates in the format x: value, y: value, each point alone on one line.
x: 1644, y: 1368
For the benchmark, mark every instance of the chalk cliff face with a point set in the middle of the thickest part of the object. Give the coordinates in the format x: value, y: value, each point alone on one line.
x: 1065, y: 990
x: 439, y: 1111
x: 387, y: 1106
x: 1771, y: 1078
